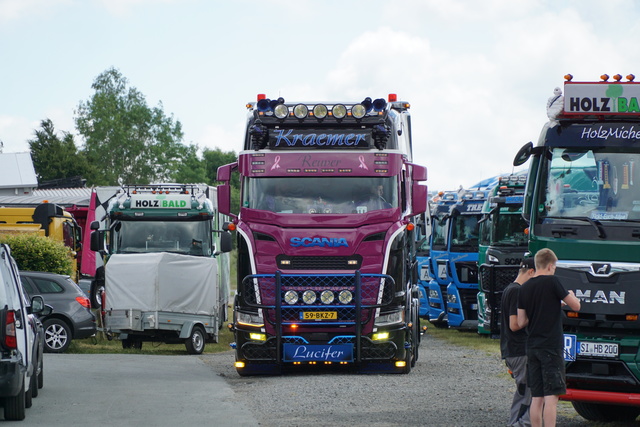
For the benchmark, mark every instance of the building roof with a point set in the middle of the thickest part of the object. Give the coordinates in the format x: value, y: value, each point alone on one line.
x: 60, y: 196
x: 17, y: 171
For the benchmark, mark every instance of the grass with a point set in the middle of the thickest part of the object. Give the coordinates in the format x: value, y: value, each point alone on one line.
x: 469, y: 339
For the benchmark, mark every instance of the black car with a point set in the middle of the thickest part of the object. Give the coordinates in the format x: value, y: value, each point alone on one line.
x: 71, y: 317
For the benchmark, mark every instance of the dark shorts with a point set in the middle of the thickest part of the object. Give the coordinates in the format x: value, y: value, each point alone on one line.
x: 545, y: 372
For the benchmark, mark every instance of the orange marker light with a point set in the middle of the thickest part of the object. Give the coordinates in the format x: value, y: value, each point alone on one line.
x: 568, y: 77
x: 631, y: 77
x: 231, y: 226
x: 410, y: 226
x: 617, y: 77
x: 604, y: 77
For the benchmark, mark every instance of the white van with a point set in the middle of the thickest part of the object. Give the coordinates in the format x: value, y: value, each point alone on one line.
x: 21, y: 341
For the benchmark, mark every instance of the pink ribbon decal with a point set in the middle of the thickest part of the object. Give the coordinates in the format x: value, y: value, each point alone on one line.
x: 362, y: 165
x: 276, y: 165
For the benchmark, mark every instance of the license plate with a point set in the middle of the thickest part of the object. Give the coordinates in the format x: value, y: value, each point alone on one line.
x: 317, y: 353
x: 598, y: 349
x: 319, y: 315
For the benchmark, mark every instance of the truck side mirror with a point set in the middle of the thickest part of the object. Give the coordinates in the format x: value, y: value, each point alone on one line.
x: 97, y: 240
x: 95, y: 225
x: 226, y: 243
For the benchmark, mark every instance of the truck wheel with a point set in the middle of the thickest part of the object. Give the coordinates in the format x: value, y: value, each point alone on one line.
x: 195, y: 343
x: 14, y: 407
x: 133, y: 343
x: 609, y: 413
x: 57, y: 336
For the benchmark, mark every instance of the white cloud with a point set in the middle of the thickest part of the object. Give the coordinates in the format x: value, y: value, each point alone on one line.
x: 14, y: 133
x: 12, y: 10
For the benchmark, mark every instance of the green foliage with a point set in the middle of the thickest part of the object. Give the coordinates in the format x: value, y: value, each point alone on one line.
x: 124, y: 138
x: 54, y: 157
x: 191, y: 170
x: 34, y: 252
x: 213, y: 159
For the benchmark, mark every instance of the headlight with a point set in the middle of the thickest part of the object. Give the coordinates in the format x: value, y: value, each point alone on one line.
x: 345, y: 296
x: 326, y: 297
x: 250, y: 319
x: 281, y: 111
x: 300, y: 111
x: 390, y: 318
x: 433, y: 293
x: 320, y: 111
x: 309, y: 297
x: 493, y: 258
x: 291, y: 297
x: 339, y: 111
x: 452, y: 299
x: 358, y: 111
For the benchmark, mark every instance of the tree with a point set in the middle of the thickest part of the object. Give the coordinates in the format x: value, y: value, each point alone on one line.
x: 124, y: 138
x: 54, y: 157
x: 192, y: 169
x: 213, y: 159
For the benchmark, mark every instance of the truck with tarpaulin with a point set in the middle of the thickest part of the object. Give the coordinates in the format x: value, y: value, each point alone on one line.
x: 582, y: 200
x: 325, y: 235
x: 502, y: 246
x: 166, y: 273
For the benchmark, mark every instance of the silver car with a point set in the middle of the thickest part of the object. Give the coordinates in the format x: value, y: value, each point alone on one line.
x: 71, y: 317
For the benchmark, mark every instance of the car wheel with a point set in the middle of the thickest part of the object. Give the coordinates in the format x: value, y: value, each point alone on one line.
x: 34, y: 385
x: 14, y: 407
x: 57, y: 336
x: 195, y: 343
x: 41, y: 374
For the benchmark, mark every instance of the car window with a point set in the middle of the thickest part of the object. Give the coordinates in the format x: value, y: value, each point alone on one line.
x: 46, y: 286
x: 26, y: 284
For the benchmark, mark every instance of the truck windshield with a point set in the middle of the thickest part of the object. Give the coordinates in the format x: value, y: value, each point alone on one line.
x: 598, y: 184
x: 464, y: 233
x: 189, y: 237
x: 320, y: 195
x: 509, y: 230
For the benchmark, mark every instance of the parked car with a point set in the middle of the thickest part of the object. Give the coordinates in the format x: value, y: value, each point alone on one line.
x: 21, y: 340
x: 71, y: 317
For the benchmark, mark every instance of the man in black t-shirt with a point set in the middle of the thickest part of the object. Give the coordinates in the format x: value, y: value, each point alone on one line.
x: 540, y: 310
x: 513, y: 340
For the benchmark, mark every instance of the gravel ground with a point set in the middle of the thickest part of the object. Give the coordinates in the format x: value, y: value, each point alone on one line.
x: 449, y: 386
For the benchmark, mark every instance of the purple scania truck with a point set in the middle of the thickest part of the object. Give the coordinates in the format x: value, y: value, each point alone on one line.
x: 326, y: 248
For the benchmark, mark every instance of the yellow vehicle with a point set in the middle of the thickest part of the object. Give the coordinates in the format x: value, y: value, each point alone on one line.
x: 46, y: 219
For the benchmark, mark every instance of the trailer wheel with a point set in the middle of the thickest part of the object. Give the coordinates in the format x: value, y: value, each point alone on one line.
x: 195, y: 343
x: 133, y: 343
x: 602, y: 412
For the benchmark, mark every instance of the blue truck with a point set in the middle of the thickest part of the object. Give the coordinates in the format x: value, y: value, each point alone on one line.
x: 438, y: 277
x: 462, y: 265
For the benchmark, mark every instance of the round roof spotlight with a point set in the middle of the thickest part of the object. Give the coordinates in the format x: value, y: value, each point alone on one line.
x: 309, y: 297
x: 281, y: 111
x: 379, y: 104
x: 326, y: 297
x: 339, y: 111
x: 320, y: 111
x: 345, y: 296
x: 358, y: 111
x: 291, y: 297
x: 300, y: 111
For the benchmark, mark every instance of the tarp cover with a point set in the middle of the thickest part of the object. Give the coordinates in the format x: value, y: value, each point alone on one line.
x: 162, y: 282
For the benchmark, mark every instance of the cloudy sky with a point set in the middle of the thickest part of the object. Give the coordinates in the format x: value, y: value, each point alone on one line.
x: 477, y: 73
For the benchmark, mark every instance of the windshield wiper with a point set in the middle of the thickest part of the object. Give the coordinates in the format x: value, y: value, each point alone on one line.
x: 596, y: 224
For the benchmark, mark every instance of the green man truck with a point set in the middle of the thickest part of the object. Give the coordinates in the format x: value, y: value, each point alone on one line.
x: 582, y: 200
x: 166, y: 275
